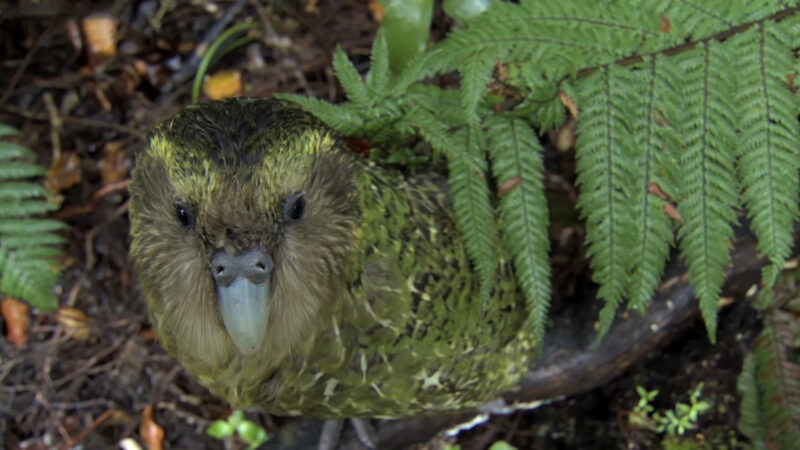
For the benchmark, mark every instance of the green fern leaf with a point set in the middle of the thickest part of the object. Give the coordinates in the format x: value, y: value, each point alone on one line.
x: 28, y: 240
x: 544, y: 108
x: 419, y: 67
x: 554, y: 34
x: 18, y: 226
x: 342, y: 118
x: 475, y: 76
x: 23, y: 209
x: 19, y: 169
x: 709, y: 187
x: 517, y: 160
x: 27, y: 245
x: 378, y: 76
x: 17, y: 191
x: 658, y: 143
x: 349, y: 78
x: 6, y: 130
x: 445, y: 104
x: 20, y: 279
x: 468, y: 188
x: 770, y: 381
x: 471, y: 202
x: 750, y: 416
x: 768, y: 141
x: 10, y: 150
x: 604, y: 138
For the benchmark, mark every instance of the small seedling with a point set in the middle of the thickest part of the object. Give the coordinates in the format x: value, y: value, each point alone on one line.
x: 674, y: 421
x: 250, y: 432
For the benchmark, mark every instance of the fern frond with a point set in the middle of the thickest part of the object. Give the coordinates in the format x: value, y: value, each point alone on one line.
x: 6, y: 130
x: 9, y: 150
x: 27, y: 245
x: 342, y: 118
x: 604, y: 140
x: 750, y: 415
x: 349, y: 78
x: 554, y: 34
x: 544, y: 108
x: 419, y: 67
x: 378, y: 76
x: 17, y: 191
x: 471, y: 201
x: 28, y: 240
x: 19, y: 169
x: 657, y: 141
x: 468, y: 189
x: 475, y: 76
x: 445, y: 104
x: 698, y: 20
x: 18, y: 226
x: 22, y: 209
x: 517, y: 159
x: 770, y: 382
x: 709, y: 186
x: 769, y: 142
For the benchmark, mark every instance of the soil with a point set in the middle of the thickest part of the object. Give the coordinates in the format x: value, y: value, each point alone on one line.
x: 86, y: 115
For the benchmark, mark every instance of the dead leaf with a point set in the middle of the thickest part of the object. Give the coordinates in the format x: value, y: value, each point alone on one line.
x: 148, y: 334
x: 100, y: 31
x: 64, y: 172
x: 73, y: 32
x: 671, y: 211
x: 666, y: 25
x: 655, y: 189
x: 508, y: 185
x: 152, y: 434
x: 359, y: 145
x: 569, y: 103
x: 311, y: 7
x: 377, y: 10
x: 76, y: 324
x: 102, y: 97
x: 223, y: 84
x: 18, y: 320
x: 115, y: 165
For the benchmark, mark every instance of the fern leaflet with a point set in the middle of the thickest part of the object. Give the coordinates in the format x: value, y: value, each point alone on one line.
x: 605, y: 136
x: 27, y: 245
x: 709, y: 185
x: 517, y: 164
x: 768, y: 141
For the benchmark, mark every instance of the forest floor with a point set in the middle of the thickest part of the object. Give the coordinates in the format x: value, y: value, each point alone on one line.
x: 92, y: 378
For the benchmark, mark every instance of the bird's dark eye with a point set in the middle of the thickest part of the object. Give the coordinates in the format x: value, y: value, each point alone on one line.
x: 183, y: 215
x: 294, y: 207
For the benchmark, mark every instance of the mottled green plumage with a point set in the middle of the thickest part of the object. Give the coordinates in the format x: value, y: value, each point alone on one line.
x: 375, y: 309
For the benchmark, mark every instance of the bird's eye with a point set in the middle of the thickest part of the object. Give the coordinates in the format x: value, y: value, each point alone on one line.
x: 294, y: 207
x: 183, y: 215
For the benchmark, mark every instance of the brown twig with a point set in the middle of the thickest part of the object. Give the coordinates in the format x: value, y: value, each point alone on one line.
x: 77, y: 121
x: 55, y: 125
x: 96, y: 198
x: 189, y: 67
x: 88, y: 243
x: 60, y: 426
x: 12, y: 83
x: 85, y: 432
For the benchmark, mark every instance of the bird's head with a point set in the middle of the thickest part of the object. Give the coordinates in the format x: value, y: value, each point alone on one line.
x: 244, y: 224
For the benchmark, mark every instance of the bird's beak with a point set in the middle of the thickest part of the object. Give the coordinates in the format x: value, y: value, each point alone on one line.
x: 243, y: 287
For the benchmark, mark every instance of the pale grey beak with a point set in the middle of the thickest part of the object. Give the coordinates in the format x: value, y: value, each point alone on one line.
x: 243, y: 283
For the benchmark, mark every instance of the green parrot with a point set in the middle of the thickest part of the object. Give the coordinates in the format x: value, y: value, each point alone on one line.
x: 284, y: 271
